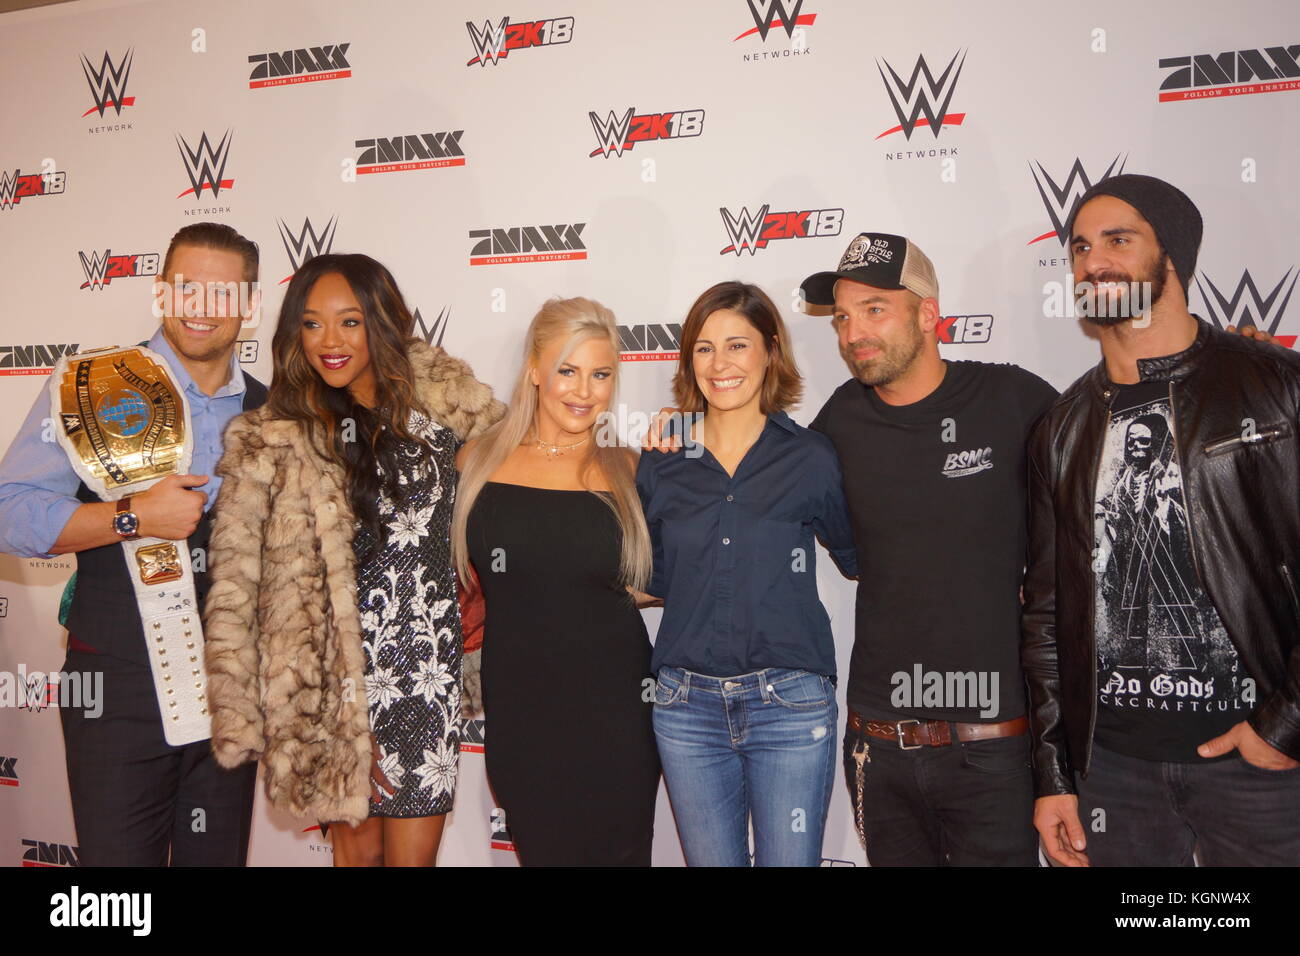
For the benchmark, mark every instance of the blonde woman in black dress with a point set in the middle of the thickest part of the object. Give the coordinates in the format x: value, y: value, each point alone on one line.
x: 552, y: 524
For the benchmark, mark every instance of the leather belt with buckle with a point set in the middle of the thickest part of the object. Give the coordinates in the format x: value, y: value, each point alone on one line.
x: 915, y: 734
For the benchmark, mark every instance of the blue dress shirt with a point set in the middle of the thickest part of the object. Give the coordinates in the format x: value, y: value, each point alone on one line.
x: 38, y: 486
x: 734, y: 556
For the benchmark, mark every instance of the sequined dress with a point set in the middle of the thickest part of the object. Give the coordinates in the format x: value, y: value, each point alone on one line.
x: 410, y: 623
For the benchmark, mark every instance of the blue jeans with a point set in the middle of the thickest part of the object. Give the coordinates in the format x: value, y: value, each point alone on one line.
x: 758, y: 745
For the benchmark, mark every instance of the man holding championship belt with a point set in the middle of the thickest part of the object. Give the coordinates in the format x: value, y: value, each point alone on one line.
x: 128, y: 486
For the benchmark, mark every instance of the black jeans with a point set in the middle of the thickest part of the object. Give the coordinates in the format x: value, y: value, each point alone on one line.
x: 136, y: 800
x: 1139, y: 812
x: 967, y: 804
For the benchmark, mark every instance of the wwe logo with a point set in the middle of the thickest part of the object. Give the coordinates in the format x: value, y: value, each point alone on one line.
x: 1062, y: 200
x: 490, y: 42
x: 94, y: 267
x: 612, y: 133
x: 770, y: 13
x: 744, y: 229
x: 205, y: 165
x: 912, y: 99
x: 108, y: 83
x: 433, y: 333
x: 1247, y: 306
x: 306, y: 244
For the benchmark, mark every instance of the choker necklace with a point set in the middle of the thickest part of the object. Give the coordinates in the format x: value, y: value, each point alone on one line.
x: 553, y: 450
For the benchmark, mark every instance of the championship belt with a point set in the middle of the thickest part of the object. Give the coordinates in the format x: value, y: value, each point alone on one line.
x: 125, y: 425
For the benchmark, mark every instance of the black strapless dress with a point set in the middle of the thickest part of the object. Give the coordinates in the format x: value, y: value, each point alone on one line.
x: 567, y: 689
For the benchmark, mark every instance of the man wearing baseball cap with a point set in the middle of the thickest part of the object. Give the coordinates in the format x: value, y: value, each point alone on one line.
x: 1162, y: 601
x: 933, y: 454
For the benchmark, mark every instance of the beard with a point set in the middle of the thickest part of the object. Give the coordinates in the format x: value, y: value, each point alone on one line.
x: 895, y: 360
x: 1106, y: 311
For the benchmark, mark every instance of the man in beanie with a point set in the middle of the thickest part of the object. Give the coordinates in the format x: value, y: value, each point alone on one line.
x: 1161, y: 638
x: 936, y: 750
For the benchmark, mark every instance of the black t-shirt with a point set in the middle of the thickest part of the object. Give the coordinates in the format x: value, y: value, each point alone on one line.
x: 1168, y: 678
x: 937, y: 492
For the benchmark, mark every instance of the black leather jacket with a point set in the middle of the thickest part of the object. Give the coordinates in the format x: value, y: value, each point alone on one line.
x: 1236, y: 409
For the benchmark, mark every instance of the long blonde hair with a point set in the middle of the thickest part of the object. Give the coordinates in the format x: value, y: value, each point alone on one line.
x: 574, y: 321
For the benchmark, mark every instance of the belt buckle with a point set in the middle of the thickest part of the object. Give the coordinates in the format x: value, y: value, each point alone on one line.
x: 898, y: 729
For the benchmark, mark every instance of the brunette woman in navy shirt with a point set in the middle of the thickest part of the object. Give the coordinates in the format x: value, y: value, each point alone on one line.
x: 745, y: 715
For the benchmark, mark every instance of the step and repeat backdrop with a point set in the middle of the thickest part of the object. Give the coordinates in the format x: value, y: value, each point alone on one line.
x: 494, y: 154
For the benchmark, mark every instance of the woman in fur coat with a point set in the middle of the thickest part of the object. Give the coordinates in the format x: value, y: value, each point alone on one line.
x: 333, y: 632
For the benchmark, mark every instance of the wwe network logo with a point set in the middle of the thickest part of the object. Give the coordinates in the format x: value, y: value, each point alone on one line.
x: 205, y: 165
x: 108, y: 83
x: 754, y: 232
x: 306, y: 243
x: 914, y: 99
x: 775, y: 13
x: 102, y: 269
x: 1247, y: 305
x: 495, y: 41
x: 616, y: 134
x: 527, y: 244
x: 406, y: 153
x: 300, y: 66
x: 433, y: 334
x: 19, y: 186
x: 1060, y: 201
x: 1201, y: 75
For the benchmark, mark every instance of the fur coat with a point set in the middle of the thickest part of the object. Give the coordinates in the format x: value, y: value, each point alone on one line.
x: 283, y: 635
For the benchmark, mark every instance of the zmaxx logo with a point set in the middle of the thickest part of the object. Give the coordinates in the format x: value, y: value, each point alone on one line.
x: 102, y: 269
x: 1061, y: 200
x: 19, y: 186
x: 965, y: 329
x: 9, y: 772
x: 649, y: 343
x: 206, y: 165
x: 616, y: 133
x: 433, y: 334
x: 1201, y: 75
x: 32, y: 359
x: 108, y: 83
x: 913, y: 99
x: 403, y: 154
x: 495, y: 41
x: 305, y: 244
x: 775, y: 13
x: 754, y: 232
x: 527, y: 244
x: 300, y: 66
x: 472, y: 736
x: 39, y: 853
x: 1248, y: 306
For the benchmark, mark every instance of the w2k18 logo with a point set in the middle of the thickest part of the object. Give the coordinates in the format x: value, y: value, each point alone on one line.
x: 103, y: 269
x: 1201, y: 75
x: 1248, y: 306
x: 403, y: 154
x: 922, y: 104
x: 754, y: 232
x: 306, y: 65
x: 306, y: 243
x: 108, y: 83
x: 616, y: 134
x: 495, y: 41
x: 527, y: 244
x: 776, y: 13
x: 19, y: 186
x: 205, y: 165
x: 1061, y: 201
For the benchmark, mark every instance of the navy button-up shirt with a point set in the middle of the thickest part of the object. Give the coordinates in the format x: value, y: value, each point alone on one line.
x: 734, y: 556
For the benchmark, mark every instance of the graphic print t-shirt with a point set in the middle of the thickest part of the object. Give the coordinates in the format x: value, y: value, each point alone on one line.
x: 1168, y: 678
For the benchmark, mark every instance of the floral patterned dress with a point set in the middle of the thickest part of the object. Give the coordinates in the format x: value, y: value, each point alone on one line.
x: 410, y: 623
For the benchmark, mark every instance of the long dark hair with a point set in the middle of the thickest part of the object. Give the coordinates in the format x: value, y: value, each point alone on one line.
x: 298, y: 393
